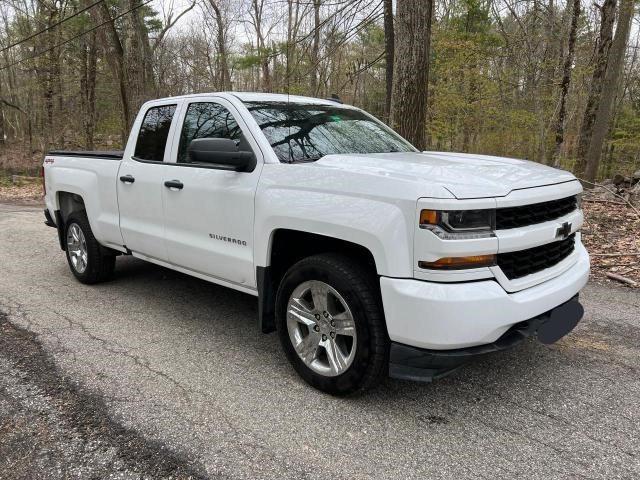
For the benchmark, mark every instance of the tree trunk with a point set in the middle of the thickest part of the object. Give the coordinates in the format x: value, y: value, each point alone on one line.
x: 614, y: 70
x: 114, y: 53
x: 223, y: 67
x: 3, y: 135
x: 564, y: 85
x: 50, y: 67
x: 137, y: 59
x: 82, y: 93
x: 288, y: 53
x: 292, y: 33
x: 256, y: 12
x: 315, y: 47
x: 388, y: 51
x: 608, y: 13
x: 411, y: 70
x: 265, y: 67
x: 90, y: 118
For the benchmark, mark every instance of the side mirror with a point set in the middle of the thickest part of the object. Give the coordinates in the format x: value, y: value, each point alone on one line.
x: 220, y: 152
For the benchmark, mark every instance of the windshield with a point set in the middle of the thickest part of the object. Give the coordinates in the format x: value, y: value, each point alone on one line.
x: 299, y: 133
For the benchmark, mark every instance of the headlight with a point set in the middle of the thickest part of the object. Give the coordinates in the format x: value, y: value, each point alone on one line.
x: 459, y: 224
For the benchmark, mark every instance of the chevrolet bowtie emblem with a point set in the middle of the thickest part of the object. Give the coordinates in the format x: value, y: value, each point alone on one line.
x: 564, y: 231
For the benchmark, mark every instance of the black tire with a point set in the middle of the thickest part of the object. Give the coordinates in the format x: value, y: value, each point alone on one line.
x: 100, y: 261
x: 358, y: 287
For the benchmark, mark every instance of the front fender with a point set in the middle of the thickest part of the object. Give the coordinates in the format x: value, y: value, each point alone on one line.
x: 384, y: 228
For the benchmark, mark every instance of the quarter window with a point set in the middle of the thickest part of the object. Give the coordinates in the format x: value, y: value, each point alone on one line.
x: 206, y: 120
x: 152, y: 138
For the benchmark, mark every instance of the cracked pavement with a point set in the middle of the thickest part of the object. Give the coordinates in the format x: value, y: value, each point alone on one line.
x: 179, y: 363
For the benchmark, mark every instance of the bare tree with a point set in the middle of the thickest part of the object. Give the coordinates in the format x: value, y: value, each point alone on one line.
x: 109, y: 39
x: 223, y: 65
x: 88, y: 62
x: 611, y: 81
x: 566, y: 80
x: 388, y: 51
x: 525, y: 94
x: 411, y: 70
x: 257, y: 20
x: 137, y: 58
x: 169, y: 22
x: 49, y: 69
x: 3, y: 135
x: 315, y: 47
x: 607, y: 18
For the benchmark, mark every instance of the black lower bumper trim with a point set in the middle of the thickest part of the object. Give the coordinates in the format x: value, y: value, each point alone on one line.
x: 418, y: 364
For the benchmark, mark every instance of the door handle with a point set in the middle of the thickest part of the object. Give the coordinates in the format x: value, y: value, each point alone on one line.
x: 127, y: 179
x: 177, y: 184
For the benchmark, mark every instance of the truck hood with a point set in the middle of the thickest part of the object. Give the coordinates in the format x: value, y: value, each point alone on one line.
x: 463, y: 175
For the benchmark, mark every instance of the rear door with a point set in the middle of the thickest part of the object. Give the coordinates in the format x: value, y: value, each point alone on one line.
x: 140, y: 182
x: 209, y: 219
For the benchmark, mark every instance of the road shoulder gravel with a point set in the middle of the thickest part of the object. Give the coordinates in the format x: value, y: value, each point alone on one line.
x: 52, y: 428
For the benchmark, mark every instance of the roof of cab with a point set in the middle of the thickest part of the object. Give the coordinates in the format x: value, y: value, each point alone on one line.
x: 260, y: 97
x: 280, y: 97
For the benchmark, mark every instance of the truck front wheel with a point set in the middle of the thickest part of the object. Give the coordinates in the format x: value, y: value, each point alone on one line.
x: 331, y: 325
x: 88, y: 260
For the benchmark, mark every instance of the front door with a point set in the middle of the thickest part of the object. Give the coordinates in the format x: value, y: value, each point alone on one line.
x: 140, y: 185
x: 209, y: 215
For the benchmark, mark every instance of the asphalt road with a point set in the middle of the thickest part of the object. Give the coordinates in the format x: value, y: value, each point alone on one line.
x: 177, y: 365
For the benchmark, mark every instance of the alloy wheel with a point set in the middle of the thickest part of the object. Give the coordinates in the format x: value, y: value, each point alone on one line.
x: 77, y: 248
x: 321, y: 328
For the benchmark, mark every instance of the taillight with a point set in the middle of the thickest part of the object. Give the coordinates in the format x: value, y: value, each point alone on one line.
x: 44, y: 185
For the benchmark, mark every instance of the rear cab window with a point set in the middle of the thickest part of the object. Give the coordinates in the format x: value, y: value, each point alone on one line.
x: 152, y: 137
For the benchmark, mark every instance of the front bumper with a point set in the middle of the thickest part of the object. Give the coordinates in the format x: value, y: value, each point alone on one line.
x: 411, y: 363
x: 447, y: 316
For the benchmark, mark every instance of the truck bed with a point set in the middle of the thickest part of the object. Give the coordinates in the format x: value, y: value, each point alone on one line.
x: 102, y: 154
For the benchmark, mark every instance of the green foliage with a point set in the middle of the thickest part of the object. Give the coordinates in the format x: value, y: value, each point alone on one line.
x: 248, y: 60
x: 5, y: 178
x: 465, y: 95
x: 371, y: 36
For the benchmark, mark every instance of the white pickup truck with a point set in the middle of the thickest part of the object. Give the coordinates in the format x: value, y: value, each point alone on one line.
x: 367, y: 256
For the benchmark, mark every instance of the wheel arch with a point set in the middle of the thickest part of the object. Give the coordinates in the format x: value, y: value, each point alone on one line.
x: 67, y: 203
x: 285, y: 248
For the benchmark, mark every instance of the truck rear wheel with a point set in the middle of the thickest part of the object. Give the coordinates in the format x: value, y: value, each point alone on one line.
x: 331, y: 325
x: 89, y: 261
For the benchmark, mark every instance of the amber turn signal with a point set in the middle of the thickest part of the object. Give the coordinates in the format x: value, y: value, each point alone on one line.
x: 457, y: 263
x: 429, y: 217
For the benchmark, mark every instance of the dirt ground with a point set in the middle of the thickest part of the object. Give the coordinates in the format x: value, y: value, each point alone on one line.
x: 611, y: 233
x: 21, y: 194
x: 15, y: 158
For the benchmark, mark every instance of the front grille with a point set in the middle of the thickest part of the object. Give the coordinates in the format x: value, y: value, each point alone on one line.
x: 525, y: 262
x: 515, y: 217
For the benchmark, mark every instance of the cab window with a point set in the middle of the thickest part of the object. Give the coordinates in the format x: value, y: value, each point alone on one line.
x: 152, y: 138
x: 206, y: 120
